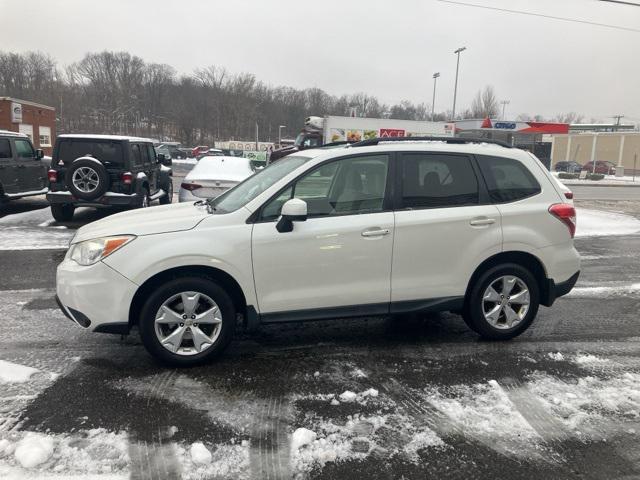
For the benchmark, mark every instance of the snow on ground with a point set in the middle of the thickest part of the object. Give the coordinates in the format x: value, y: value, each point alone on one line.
x: 184, y: 161
x: 32, y: 230
x: 609, y: 180
x: 609, y: 290
x: 596, y: 223
x: 14, y: 373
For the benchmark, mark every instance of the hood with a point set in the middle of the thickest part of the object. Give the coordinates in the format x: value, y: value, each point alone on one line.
x: 145, y: 221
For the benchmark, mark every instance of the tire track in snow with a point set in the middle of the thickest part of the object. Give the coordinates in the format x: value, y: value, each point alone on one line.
x: 269, y: 458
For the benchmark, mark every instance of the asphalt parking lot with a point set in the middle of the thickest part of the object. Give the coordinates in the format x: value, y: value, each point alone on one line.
x: 384, y: 398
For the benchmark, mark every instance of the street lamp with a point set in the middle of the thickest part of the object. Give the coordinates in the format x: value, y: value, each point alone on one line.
x: 280, y: 134
x: 504, y: 104
x: 455, y: 88
x: 433, y: 102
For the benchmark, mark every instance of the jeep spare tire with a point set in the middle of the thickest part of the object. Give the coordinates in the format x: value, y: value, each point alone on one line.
x: 87, y: 178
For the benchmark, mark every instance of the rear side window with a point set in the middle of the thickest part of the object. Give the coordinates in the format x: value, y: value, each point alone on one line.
x: 106, y: 152
x: 438, y: 180
x: 5, y: 148
x: 136, y: 157
x: 508, y: 180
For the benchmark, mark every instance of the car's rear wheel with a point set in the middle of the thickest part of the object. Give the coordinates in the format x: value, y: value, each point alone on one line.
x: 187, y: 321
x: 62, y: 212
x: 502, y: 302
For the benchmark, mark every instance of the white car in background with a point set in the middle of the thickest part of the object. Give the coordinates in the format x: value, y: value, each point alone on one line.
x: 212, y: 176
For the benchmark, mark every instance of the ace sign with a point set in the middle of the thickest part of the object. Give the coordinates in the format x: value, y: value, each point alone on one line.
x: 16, y: 113
x: 391, y: 132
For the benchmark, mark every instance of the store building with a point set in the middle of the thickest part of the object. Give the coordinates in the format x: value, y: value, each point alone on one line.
x: 33, y: 119
x: 532, y: 136
x: 620, y: 148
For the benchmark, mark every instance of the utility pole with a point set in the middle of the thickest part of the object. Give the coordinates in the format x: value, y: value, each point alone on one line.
x: 433, y: 102
x: 617, y: 117
x: 504, y: 104
x: 455, y: 87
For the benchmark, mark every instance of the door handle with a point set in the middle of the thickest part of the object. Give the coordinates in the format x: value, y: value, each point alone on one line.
x: 482, y: 221
x: 375, y: 232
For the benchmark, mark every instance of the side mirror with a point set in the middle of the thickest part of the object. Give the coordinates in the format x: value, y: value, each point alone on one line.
x: 164, y: 160
x: 39, y: 154
x: 294, y: 210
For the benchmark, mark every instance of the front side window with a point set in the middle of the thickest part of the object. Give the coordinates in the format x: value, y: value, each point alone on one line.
x: 508, y: 180
x: 348, y: 186
x: 436, y: 180
x: 24, y: 149
x: 152, y: 153
x: 5, y: 148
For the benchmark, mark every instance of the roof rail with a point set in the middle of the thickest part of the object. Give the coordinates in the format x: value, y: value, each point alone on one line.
x: 452, y: 140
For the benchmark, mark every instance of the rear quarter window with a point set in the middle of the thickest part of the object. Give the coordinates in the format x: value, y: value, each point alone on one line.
x: 508, y: 180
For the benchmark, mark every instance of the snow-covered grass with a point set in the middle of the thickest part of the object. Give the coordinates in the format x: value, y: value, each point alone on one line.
x: 608, y: 180
x: 15, y: 373
x: 594, y: 223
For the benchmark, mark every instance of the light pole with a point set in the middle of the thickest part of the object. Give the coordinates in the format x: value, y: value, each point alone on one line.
x: 504, y: 104
x: 455, y: 88
x: 433, y: 102
x: 280, y: 134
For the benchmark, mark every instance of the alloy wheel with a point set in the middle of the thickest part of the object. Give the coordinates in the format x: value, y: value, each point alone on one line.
x: 505, y: 302
x: 86, y: 179
x: 188, y: 323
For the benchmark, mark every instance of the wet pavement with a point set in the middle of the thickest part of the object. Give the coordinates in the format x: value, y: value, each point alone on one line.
x: 385, y: 398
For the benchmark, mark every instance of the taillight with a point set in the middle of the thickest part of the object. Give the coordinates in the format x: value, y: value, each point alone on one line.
x: 566, y: 214
x: 127, y: 178
x: 190, y: 186
x: 568, y: 195
x: 53, y: 176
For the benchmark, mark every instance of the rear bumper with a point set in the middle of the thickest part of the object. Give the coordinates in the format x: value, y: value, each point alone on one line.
x: 557, y: 290
x: 107, y: 200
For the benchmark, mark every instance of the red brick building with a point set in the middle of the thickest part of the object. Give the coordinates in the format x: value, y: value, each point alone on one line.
x: 36, y: 120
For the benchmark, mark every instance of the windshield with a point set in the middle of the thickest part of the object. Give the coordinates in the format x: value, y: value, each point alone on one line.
x: 253, y: 186
x: 300, y: 139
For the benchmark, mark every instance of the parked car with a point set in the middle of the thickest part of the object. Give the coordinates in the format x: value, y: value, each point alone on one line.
x: 604, y: 167
x: 106, y: 171
x: 210, y: 153
x: 23, y: 170
x: 199, y: 150
x: 171, y: 150
x: 375, y: 229
x: 213, y: 176
x: 569, y: 167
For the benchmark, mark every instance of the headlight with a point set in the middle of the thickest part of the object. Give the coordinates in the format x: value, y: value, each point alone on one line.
x: 91, y: 251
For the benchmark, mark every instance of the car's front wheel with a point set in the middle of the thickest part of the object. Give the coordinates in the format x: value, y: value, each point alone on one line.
x: 62, y: 212
x: 168, y: 197
x: 502, y: 302
x: 187, y: 321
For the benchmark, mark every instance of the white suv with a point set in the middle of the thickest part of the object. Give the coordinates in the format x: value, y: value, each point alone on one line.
x: 378, y: 228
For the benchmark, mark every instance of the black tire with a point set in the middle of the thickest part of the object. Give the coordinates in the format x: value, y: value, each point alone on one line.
x: 201, y: 285
x: 144, y: 198
x: 473, y: 313
x: 62, y: 212
x: 168, y: 198
x: 101, y: 176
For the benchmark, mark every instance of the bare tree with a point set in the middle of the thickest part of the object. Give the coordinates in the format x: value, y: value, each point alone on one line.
x: 485, y: 103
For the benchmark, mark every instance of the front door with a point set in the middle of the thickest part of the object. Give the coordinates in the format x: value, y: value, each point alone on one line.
x: 338, y: 260
x: 31, y: 171
x: 445, y: 227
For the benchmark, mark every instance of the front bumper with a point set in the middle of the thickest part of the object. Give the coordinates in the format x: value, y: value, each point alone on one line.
x: 109, y: 199
x: 96, y: 297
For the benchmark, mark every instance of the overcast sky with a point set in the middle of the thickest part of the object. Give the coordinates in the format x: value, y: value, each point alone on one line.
x: 386, y: 48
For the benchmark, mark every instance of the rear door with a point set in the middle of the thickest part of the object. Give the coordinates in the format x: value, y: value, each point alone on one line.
x: 444, y: 228
x: 8, y: 167
x: 31, y: 171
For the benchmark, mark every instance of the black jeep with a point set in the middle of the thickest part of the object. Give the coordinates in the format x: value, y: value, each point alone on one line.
x: 106, y: 171
x: 23, y: 172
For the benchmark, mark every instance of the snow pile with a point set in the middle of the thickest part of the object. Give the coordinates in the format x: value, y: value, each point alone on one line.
x: 595, y: 223
x: 302, y: 437
x: 585, y: 402
x: 33, y: 450
x: 348, y: 396
x: 485, y: 412
x: 199, y: 454
x: 422, y: 440
x: 226, y: 461
x: 587, y: 359
x: 557, y: 356
x: 14, y: 373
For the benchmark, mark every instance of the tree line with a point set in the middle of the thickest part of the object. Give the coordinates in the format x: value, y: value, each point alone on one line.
x: 120, y: 93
